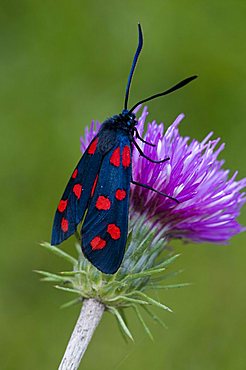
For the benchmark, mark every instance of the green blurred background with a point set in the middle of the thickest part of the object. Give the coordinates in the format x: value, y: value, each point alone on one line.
x: 62, y: 64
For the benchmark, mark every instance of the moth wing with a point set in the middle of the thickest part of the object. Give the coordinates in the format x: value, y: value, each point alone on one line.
x: 77, y: 194
x: 104, y: 231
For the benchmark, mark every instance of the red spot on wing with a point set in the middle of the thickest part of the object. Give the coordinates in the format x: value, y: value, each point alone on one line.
x: 94, y: 186
x: 97, y: 243
x: 120, y: 194
x: 93, y: 146
x: 64, y: 225
x: 103, y: 203
x: 77, y: 189
x: 75, y: 173
x: 126, y: 156
x: 114, y: 231
x: 115, y: 157
x: 62, y: 205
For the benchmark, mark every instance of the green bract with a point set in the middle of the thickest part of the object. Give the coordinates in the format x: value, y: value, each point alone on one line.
x: 142, y: 270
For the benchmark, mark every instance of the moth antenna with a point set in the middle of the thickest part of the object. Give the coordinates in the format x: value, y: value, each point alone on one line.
x: 135, y: 59
x: 173, y: 88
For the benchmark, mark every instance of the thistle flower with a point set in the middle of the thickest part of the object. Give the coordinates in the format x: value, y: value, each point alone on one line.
x: 209, y: 204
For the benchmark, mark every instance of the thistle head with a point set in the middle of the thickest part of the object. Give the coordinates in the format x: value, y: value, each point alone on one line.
x: 210, y: 202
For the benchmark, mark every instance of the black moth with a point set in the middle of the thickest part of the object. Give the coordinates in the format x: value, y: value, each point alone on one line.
x: 100, y: 185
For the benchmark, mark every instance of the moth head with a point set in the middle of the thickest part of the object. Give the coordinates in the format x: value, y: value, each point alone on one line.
x: 129, y: 118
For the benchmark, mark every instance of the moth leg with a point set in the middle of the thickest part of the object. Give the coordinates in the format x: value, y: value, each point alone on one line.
x: 140, y: 138
x: 156, y: 191
x: 145, y: 156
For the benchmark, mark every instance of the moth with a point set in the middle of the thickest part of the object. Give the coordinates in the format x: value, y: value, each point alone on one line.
x: 98, y: 190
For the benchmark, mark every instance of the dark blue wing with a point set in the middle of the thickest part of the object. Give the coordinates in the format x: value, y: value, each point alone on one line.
x: 77, y: 194
x: 104, y: 231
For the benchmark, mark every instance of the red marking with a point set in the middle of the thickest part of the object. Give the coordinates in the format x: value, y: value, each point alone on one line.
x: 114, y: 231
x: 94, y: 186
x: 120, y: 194
x: 62, y: 205
x: 115, y: 157
x: 64, y: 225
x: 126, y: 156
x: 97, y: 243
x: 77, y: 189
x: 93, y: 146
x: 103, y: 203
x: 75, y: 173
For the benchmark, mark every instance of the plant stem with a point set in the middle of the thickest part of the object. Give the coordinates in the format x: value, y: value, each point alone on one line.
x: 90, y: 316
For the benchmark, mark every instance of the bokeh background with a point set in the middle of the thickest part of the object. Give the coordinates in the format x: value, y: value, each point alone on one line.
x: 62, y: 64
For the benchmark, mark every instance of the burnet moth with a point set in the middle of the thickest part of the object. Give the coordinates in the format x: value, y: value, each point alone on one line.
x: 100, y: 185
